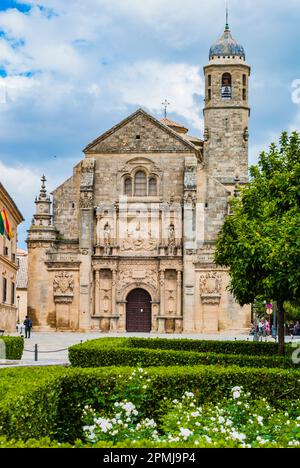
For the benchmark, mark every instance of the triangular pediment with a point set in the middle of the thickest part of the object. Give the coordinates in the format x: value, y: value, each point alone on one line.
x: 140, y: 133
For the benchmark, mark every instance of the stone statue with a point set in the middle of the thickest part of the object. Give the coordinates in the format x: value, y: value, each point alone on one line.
x: 107, y: 239
x: 172, y: 239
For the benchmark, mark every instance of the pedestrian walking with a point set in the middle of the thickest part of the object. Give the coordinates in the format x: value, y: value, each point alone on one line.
x: 261, y: 329
x: 28, y: 326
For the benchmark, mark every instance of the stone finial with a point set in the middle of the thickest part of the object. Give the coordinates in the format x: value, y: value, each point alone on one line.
x: 43, y: 190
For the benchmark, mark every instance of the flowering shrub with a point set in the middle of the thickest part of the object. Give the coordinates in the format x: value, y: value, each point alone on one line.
x: 125, y: 421
x: 236, y: 422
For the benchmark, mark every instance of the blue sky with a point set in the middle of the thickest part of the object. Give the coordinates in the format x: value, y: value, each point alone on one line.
x: 71, y: 69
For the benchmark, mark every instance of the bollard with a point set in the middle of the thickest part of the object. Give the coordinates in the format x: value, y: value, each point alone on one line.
x: 36, y: 356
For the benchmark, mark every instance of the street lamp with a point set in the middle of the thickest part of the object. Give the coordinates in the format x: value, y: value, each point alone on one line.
x: 18, y: 299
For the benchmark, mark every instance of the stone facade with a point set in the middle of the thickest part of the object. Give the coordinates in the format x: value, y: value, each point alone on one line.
x: 8, y: 265
x: 139, y: 219
x: 22, y: 282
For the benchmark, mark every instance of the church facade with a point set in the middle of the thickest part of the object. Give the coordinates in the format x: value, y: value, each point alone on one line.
x: 128, y: 244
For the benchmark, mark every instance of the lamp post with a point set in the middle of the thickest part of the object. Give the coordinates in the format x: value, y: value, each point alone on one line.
x: 18, y: 299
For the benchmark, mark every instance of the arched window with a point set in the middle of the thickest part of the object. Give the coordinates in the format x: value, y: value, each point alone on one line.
x: 153, y: 187
x: 140, y: 183
x: 128, y: 187
x: 226, y: 91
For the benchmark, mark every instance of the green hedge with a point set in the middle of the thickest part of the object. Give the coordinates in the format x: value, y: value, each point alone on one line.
x: 247, y: 348
x: 48, y: 443
x: 110, y: 352
x: 45, y: 402
x: 14, y: 347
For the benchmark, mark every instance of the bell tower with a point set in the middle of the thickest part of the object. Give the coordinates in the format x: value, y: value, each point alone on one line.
x: 226, y: 112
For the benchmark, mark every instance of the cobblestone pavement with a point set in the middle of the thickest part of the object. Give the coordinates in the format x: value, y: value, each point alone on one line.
x: 53, y: 347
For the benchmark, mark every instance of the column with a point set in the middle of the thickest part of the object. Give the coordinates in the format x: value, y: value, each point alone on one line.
x: 162, y: 293
x: 179, y: 293
x: 98, y: 229
x: 113, y: 292
x: 161, y: 322
x: 97, y: 292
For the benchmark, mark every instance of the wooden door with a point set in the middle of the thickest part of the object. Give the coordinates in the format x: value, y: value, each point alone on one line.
x: 138, y: 312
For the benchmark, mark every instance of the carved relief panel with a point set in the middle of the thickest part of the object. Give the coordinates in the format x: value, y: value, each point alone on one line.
x: 211, y: 288
x: 63, y: 287
x: 170, y: 292
x: 105, y: 295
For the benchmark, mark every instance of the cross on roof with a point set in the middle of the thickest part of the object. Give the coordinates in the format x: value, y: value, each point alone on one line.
x: 165, y: 105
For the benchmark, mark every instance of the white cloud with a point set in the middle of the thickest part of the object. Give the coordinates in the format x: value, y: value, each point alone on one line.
x: 147, y: 83
x: 23, y: 184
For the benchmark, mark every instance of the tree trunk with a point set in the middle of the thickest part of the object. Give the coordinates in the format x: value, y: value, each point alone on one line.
x: 281, y: 328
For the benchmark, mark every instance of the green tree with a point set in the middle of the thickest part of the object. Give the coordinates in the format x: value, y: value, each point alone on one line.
x: 260, y: 242
x: 292, y: 311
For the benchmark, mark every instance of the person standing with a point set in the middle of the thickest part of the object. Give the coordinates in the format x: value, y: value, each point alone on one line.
x: 28, y: 326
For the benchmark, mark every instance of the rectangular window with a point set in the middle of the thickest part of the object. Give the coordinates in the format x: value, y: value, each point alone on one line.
x: 244, y: 95
x: 209, y: 80
x: 244, y: 80
x: 5, y: 251
x: 4, y: 294
x: 13, y: 293
x: 209, y: 94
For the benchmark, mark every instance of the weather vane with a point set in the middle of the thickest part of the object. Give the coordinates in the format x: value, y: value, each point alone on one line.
x: 165, y: 105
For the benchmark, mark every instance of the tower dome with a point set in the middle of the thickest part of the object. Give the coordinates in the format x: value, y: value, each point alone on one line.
x: 227, y: 46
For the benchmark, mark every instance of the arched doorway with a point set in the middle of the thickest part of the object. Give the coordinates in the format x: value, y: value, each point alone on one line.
x: 138, y: 312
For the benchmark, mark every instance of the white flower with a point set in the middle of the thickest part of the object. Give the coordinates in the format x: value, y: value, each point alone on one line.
x: 185, y: 433
x: 236, y: 395
x: 129, y: 407
x: 208, y: 439
x: 236, y: 389
x: 221, y: 420
x: 189, y: 395
x: 237, y: 436
x: 260, y: 419
x: 175, y: 402
x: 104, y: 424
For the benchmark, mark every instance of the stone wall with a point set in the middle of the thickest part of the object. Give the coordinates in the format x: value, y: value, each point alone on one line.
x: 66, y: 208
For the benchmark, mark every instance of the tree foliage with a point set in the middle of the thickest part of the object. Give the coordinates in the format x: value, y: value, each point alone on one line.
x: 260, y: 242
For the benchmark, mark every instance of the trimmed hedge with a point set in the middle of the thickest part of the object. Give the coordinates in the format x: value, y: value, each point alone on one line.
x: 48, y: 443
x: 247, y: 348
x: 49, y: 401
x: 110, y: 352
x: 14, y: 347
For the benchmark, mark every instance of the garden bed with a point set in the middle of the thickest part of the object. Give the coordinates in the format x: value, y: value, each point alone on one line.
x: 48, y: 402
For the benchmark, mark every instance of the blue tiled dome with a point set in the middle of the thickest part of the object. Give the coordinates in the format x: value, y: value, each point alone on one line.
x: 227, y: 46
